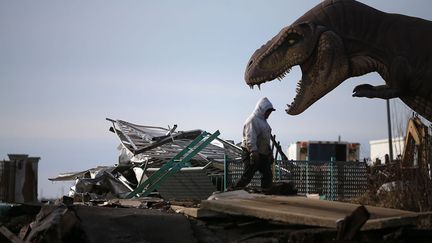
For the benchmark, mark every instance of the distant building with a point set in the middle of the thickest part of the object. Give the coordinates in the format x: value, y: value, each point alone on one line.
x: 379, y: 148
x: 18, y: 178
x: 324, y: 151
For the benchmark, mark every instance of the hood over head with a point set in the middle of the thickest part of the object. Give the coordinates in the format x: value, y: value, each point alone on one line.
x: 262, y: 106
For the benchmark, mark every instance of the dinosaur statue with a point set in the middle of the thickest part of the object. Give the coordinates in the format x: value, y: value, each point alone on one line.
x: 340, y: 39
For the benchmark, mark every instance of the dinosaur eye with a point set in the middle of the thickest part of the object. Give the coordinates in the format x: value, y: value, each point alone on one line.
x: 293, y: 38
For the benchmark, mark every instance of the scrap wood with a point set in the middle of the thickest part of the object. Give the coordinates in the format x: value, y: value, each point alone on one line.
x: 9, y: 235
x: 132, y: 203
x: 392, y: 222
x: 196, y: 212
x: 351, y: 224
x: 55, y: 223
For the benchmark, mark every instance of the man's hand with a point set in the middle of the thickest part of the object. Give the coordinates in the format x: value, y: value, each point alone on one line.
x: 254, y: 158
x: 271, y: 159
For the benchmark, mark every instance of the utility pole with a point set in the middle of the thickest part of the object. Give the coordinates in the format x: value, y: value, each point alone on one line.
x: 389, y: 131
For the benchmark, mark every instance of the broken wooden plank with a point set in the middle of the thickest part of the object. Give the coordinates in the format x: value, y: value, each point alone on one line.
x: 351, y: 224
x: 391, y: 222
x: 304, y: 211
x: 9, y: 235
x: 196, y: 212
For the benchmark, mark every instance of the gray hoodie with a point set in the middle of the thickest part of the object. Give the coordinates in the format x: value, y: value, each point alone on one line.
x: 256, y: 130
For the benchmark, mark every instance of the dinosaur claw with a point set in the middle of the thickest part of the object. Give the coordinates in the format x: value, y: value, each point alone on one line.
x: 362, y: 90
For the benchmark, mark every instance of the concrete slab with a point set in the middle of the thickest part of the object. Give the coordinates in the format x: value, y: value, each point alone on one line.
x: 102, y: 224
x: 304, y: 211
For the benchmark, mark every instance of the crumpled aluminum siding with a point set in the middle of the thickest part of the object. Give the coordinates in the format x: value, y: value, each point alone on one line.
x: 157, y: 145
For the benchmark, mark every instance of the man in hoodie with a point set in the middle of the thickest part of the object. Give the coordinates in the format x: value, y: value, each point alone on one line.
x: 257, y: 154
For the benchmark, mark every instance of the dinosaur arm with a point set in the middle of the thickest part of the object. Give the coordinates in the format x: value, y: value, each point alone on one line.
x: 380, y: 91
x: 397, y: 76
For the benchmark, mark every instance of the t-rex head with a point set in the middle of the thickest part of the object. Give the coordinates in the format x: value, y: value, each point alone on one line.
x: 318, y: 51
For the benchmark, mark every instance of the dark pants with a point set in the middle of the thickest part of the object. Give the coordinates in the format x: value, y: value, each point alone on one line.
x: 263, y: 166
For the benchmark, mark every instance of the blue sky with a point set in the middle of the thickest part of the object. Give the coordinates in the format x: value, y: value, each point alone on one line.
x: 67, y: 65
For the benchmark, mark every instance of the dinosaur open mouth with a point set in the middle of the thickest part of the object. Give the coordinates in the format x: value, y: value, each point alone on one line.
x: 300, y: 89
x: 283, y: 74
x: 306, y: 65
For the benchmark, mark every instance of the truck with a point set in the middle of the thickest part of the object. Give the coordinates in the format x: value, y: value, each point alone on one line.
x: 324, y: 151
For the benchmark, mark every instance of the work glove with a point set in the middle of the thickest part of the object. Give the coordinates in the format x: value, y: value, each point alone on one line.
x: 254, y: 158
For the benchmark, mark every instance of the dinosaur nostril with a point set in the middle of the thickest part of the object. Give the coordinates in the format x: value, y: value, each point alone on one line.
x: 250, y: 63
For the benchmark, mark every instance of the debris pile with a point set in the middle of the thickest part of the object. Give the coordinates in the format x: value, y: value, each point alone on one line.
x: 178, y: 165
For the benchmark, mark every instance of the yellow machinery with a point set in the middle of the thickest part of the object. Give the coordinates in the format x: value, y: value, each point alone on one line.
x: 417, y: 150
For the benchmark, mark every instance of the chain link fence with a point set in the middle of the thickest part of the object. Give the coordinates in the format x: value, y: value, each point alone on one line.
x: 334, y: 180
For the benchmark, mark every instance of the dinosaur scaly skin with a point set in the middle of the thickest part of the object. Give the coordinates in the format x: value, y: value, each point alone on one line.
x: 340, y: 39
